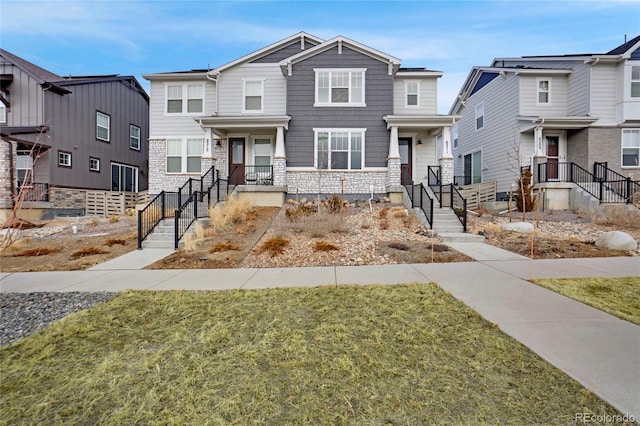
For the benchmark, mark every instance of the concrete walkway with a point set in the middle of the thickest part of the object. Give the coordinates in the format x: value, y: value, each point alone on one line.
x: 598, y: 350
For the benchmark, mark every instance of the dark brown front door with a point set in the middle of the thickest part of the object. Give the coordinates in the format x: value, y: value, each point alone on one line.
x: 553, y: 143
x: 236, y: 161
x: 406, y: 174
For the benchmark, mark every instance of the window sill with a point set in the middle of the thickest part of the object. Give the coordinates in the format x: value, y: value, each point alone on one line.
x: 360, y: 105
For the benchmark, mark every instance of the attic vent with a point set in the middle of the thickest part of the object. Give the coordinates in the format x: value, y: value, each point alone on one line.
x: 339, y: 47
x: 301, y: 42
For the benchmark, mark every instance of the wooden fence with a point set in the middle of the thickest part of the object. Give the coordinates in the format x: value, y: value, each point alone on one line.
x: 478, y: 193
x: 110, y: 203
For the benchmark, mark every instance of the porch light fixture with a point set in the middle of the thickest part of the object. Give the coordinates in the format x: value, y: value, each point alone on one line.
x: 419, y: 142
x: 218, y: 143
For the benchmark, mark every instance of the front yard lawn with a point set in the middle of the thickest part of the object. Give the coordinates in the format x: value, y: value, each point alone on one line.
x: 618, y: 296
x: 408, y: 354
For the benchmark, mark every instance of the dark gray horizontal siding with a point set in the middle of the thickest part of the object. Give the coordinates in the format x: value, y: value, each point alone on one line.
x: 305, y: 117
x: 284, y: 53
x: 73, y: 122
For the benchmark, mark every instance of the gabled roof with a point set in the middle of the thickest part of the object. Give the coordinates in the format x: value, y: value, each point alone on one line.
x: 43, y: 77
x: 129, y: 80
x: 625, y: 47
x: 340, y: 41
x: 301, y: 36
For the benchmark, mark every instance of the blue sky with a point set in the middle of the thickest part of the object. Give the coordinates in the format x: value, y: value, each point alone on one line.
x: 143, y: 37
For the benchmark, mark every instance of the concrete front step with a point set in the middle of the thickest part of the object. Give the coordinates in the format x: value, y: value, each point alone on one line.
x: 460, y: 237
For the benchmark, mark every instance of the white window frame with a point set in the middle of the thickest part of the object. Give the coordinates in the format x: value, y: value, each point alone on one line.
x: 408, y: 93
x: 350, y: 102
x: 135, y: 173
x: 634, y: 82
x: 636, y: 147
x: 98, y: 126
x: 454, y: 135
x: 473, y: 168
x: 539, y: 91
x: 479, y: 114
x: 133, y: 137
x: 330, y: 132
x: 244, y: 95
x: 262, y: 138
x: 184, y: 97
x: 184, y: 155
x: 3, y: 108
x: 94, y: 164
x: 64, y: 159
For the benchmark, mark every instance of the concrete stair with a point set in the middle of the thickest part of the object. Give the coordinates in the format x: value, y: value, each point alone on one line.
x: 162, y: 235
x: 446, y: 221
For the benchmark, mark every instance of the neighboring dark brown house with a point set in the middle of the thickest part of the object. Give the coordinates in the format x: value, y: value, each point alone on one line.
x: 62, y: 136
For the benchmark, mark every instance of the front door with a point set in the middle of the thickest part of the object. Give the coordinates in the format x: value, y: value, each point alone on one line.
x: 553, y: 156
x: 236, y: 161
x: 406, y: 174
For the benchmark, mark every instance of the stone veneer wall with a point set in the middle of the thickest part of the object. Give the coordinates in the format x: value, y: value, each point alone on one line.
x: 67, y: 198
x: 330, y: 182
x: 446, y: 170
x: 6, y: 150
x: 279, y: 171
x: 394, y: 174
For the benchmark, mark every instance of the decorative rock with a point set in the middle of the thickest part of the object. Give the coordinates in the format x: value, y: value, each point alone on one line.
x: 519, y: 227
x: 616, y: 240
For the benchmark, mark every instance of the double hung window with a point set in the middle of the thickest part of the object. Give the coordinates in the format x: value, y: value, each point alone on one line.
x: 339, y: 149
x: 184, y: 155
x: 340, y: 87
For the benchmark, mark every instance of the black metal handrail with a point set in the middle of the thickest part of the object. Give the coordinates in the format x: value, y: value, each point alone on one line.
x: 161, y: 207
x: 462, y: 180
x: 258, y: 175
x: 184, y: 217
x: 459, y: 206
x: 33, y: 191
x: 434, y: 175
x: 420, y: 198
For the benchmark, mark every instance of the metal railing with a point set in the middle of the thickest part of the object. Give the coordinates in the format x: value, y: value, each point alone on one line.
x: 33, y: 191
x: 462, y: 180
x: 459, y: 206
x: 434, y: 175
x: 161, y: 207
x: 184, y: 217
x: 420, y: 198
x: 606, y: 185
x: 258, y: 175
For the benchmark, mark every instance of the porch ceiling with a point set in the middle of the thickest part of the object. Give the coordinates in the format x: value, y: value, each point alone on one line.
x: 528, y: 123
x: 421, y: 122
x: 222, y: 126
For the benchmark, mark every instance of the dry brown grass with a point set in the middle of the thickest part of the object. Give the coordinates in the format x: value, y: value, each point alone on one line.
x: 234, y: 211
x: 40, y: 251
x: 324, y: 246
x: 384, y: 224
x: 113, y: 241
x: 617, y: 215
x: 189, y: 242
x: 88, y: 251
x: 274, y: 246
x: 226, y: 246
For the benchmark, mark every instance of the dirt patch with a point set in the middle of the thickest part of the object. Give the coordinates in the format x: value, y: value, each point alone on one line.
x: 55, y: 247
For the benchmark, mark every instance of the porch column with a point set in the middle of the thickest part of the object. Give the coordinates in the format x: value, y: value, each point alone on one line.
x: 7, y: 180
x: 446, y: 160
x: 280, y: 159
x: 539, y: 154
x: 393, y: 161
x: 208, y: 159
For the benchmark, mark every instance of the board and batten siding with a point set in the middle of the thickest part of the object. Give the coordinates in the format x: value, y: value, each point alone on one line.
x: 162, y: 124
x: 73, y: 130
x: 231, y: 89
x: 26, y: 98
x: 428, y: 97
x: 604, y: 99
x: 499, y: 138
x: 529, y: 96
x: 305, y: 117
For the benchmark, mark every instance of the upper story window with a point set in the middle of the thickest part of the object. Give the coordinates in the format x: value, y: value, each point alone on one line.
x: 340, y: 87
x: 253, y: 95
x: 185, y: 98
x: 631, y: 148
x: 134, y: 137
x: 94, y: 164
x: 544, y: 92
x: 480, y: 116
x: 3, y: 108
x: 339, y: 149
x: 412, y: 89
x: 103, y: 122
x: 635, y: 81
x: 64, y: 159
x: 184, y: 155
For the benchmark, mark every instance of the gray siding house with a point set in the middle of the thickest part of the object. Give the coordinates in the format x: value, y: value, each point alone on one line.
x: 301, y: 116
x: 551, y: 113
x: 62, y: 136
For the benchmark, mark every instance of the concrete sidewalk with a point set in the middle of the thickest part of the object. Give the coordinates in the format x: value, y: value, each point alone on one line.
x: 598, y: 350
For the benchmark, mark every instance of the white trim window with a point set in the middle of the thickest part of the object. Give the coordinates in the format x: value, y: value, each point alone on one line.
x: 134, y: 137
x: 103, y: 122
x: 479, y: 116
x: 253, y: 95
x: 184, y: 99
x: 454, y: 135
x: 262, y: 151
x: 543, y: 88
x: 631, y: 148
x: 94, y: 164
x: 3, y: 108
x: 635, y: 81
x: 412, y: 89
x: 340, y: 87
x: 124, y: 178
x: 339, y: 149
x: 184, y: 155
x: 64, y: 159
x: 472, y: 166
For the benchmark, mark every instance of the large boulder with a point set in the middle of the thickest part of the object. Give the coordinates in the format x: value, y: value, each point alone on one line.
x: 616, y: 240
x: 519, y: 227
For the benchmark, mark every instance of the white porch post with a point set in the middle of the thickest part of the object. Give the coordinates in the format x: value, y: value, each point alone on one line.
x: 393, y: 161
x: 446, y: 160
x: 280, y: 159
x: 540, y: 155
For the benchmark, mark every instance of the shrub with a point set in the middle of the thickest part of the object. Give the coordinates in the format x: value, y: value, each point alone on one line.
x: 524, y: 199
x: 383, y: 212
x: 398, y: 246
x: 317, y: 225
x: 113, y: 241
x: 334, y: 204
x: 324, y: 246
x: 114, y: 219
x: 274, y: 246
x: 189, y: 241
x: 199, y: 231
x: 384, y: 224
x: 89, y: 251
x: 40, y: 251
x: 226, y: 246
x: 235, y: 210
x: 617, y: 215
